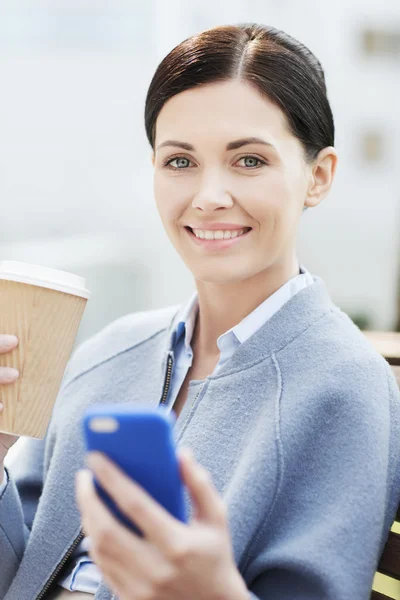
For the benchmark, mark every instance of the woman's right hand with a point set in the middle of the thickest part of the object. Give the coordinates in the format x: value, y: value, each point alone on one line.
x: 7, y: 376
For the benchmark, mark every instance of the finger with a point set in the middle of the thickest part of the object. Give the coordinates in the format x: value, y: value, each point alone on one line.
x: 208, y: 503
x: 122, y: 581
x: 156, y: 523
x: 7, y: 342
x: 8, y: 375
x: 112, y: 546
x: 99, y: 523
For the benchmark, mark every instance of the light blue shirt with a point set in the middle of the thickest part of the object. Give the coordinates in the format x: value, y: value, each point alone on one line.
x: 85, y: 576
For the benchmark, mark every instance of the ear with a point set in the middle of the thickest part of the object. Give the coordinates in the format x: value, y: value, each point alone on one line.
x: 322, y: 174
x: 153, y: 158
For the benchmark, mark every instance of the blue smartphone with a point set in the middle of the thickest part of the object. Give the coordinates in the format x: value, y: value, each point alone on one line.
x: 140, y: 441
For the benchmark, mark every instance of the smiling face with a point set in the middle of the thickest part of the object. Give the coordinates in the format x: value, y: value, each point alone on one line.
x: 208, y: 181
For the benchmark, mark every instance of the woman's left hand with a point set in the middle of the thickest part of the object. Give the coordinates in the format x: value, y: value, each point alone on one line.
x: 174, y: 560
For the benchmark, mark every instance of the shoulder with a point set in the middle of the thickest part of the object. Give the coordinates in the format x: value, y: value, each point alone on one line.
x: 348, y: 348
x: 337, y: 392
x: 339, y: 360
x: 118, y: 336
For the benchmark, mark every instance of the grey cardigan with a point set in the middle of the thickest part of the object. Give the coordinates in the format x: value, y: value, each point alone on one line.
x: 300, y: 430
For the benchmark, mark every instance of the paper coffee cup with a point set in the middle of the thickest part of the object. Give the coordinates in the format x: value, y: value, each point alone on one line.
x: 43, y: 307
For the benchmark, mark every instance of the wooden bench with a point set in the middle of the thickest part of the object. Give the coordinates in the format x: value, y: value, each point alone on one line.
x: 389, y: 564
x: 386, y: 343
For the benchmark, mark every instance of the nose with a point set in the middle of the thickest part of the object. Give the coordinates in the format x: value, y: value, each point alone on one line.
x: 211, y: 196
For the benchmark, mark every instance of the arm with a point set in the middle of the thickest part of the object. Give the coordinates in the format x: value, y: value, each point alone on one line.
x: 21, y: 490
x: 18, y: 502
x: 338, y: 493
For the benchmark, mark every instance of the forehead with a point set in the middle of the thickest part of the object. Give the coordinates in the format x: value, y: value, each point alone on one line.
x: 221, y: 110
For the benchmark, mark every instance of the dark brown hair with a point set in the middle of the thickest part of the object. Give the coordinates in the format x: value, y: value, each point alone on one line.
x: 277, y: 65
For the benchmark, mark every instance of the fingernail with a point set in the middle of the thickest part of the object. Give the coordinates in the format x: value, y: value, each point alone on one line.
x: 8, y: 340
x: 9, y: 372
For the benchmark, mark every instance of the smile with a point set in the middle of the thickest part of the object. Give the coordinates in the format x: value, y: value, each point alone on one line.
x: 218, y: 239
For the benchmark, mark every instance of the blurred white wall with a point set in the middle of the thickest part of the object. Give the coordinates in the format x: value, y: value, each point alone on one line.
x: 75, y: 170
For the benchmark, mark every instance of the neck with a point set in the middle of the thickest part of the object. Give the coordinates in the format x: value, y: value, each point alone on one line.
x: 222, y: 306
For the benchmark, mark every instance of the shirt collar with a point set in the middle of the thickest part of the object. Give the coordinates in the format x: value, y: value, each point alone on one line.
x: 187, y: 315
x: 187, y: 320
x: 265, y: 310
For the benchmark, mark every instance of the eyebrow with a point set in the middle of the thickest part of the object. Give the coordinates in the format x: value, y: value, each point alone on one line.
x: 231, y: 146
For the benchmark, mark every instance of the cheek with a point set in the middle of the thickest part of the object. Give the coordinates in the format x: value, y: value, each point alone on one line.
x: 169, y: 201
x: 275, y: 210
x: 266, y: 208
x: 266, y: 195
x: 279, y: 200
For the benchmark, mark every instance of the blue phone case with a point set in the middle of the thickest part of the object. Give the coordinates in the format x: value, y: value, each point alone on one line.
x: 140, y: 440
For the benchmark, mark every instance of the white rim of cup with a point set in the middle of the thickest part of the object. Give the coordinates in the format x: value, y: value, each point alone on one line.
x: 38, y: 281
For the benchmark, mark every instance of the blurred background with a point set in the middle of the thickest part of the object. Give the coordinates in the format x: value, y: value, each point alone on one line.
x: 75, y: 169
x: 75, y: 165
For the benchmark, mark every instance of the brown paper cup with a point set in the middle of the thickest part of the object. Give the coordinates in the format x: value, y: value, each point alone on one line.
x: 46, y: 322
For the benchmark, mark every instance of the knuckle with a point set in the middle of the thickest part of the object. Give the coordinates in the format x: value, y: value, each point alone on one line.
x: 163, y: 580
x: 94, y: 555
x: 144, y: 592
x: 221, y: 511
x: 132, y: 506
x: 204, y: 476
x: 179, y: 551
x: 104, y: 538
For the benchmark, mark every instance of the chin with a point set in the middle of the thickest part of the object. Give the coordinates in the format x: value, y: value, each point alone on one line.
x: 221, y: 275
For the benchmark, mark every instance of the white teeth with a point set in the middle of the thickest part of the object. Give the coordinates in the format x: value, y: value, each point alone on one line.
x: 217, y: 235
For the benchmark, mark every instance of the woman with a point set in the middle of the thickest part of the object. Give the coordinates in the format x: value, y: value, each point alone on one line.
x: 292, y: 417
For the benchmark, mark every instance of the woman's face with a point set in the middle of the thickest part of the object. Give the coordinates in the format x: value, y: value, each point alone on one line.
x: 209, y: 183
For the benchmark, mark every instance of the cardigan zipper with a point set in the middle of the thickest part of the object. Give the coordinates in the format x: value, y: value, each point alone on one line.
x: 60, y: 566
x: 167, y: 382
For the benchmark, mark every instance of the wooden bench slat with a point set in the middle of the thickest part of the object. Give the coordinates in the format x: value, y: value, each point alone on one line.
x: 396, y: 373
x: 387, y: 343
x: 390, y: 559
x: 379, y: 596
